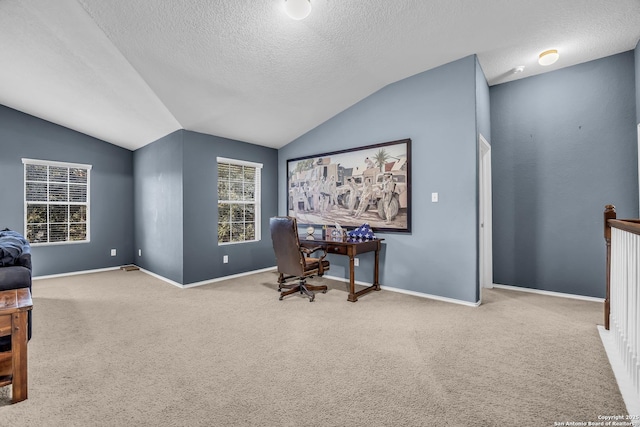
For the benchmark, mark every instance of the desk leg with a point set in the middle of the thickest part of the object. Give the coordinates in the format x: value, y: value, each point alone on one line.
x: 352, y: 285
x: 19, y: 350
x: 376, y: 282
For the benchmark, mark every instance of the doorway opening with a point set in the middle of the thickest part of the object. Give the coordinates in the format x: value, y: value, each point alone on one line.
x: 485, y: 218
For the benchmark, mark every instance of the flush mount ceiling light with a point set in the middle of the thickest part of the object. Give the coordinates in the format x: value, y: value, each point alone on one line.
x: 297, y: 9
x: 548, y: 57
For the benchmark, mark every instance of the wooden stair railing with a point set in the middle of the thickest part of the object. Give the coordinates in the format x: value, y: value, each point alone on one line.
x: 622, y: 302
x: 629, y: 225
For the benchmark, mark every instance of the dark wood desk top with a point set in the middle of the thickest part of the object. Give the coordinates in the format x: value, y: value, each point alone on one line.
x: 344, y: 246
x: 341, y: 241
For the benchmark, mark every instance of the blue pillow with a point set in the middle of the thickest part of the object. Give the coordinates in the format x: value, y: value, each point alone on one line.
x: 12, y: 245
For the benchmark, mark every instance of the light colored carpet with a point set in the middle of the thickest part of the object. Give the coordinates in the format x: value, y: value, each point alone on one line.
x: 126, y: 349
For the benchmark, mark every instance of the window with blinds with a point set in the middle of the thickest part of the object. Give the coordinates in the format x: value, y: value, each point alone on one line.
x: 238, y: 201
x: 56, y: 201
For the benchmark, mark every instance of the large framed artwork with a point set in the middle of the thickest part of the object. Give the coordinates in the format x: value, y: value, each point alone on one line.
x: 370, y: 184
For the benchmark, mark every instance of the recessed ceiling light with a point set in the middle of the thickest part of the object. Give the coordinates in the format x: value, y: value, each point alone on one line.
x: 297, y: 9
x: 548, y: 57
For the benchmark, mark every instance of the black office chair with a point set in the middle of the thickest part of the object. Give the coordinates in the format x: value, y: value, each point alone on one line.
x: 293, y: 260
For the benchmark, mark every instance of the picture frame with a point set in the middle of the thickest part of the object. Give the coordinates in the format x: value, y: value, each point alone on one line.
x: 320, y: 187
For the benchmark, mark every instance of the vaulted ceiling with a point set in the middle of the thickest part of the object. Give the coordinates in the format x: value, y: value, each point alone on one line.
x: 132, y: 71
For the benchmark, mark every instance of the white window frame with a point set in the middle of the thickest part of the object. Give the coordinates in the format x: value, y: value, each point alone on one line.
x: 50, y: 163
x: 257, y: 197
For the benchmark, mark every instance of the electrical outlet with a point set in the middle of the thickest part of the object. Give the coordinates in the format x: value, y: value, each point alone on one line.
x: 434, y: 197
x: 113, y: 252
x: 356, y: 262
x: 225, y: 259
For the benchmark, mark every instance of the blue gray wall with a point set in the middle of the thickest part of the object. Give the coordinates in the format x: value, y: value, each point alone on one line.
x: 202, y: 255
x: 160, y: 200
x: 158, y: 191
x: 25, y: 136
x: 437, y: 110
x: 176, y: 209
x: 637, y: 66
x: 563, y: 145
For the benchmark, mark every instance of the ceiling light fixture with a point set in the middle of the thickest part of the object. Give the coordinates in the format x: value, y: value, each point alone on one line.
x: 548, y: 57
x: 297, y: 9
x: 518, y: 69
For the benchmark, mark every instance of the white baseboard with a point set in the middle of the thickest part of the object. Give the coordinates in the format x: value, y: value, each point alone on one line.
x: 204, y: 282
x: 340, y: 279
x: 164, y: 279
x: 232, y: 276
x: 430, y: 296
x: 157, y: 276
x: 549, y: 293
x: 407, y: 292
x: 75, y: 273
x: 625, y: 384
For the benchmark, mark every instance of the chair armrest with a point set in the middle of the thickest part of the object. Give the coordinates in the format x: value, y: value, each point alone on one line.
x: 309, y: 251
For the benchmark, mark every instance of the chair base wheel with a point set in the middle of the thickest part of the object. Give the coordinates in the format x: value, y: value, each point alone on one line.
x: 302, y: 288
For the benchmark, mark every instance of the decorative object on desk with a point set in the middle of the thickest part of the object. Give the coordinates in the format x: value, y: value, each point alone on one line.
x: 334, y: 233
x: 370, y: 183
x: 363, y: 232
x: 310, y: 231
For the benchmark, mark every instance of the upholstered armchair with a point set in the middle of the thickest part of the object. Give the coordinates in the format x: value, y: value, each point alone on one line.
x: 15, y: 269
x: 294, y: 261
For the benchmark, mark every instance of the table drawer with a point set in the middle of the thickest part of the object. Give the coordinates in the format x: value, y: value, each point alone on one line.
x: 341, y: 250
x: 5, y: 325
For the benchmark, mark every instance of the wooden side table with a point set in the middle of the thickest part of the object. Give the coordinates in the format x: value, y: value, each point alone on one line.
x: 14, y: 307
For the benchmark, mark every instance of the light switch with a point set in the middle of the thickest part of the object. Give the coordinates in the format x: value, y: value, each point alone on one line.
x: 434, y: 197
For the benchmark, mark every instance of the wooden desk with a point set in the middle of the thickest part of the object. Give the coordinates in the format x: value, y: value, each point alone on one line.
x: 351, y: 248
x: 14, y: 307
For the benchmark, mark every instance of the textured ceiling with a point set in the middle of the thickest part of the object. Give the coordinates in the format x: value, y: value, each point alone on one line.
x: 132, y: 71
